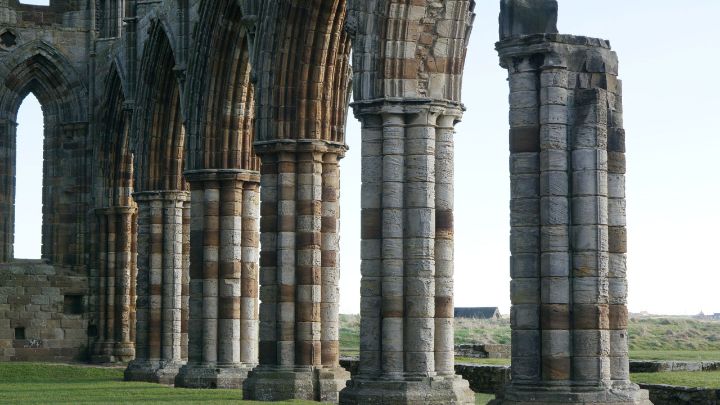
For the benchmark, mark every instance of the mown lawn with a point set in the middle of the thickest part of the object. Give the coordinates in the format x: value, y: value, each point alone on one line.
x: 29, y: 383
x: 32, y: 383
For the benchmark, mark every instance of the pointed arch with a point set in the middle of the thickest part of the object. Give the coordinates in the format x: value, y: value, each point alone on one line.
x: 116, y: 168
x: 304, y: 72
x: 159, y: 133
x: 40, y: 68
x: 409, y: 48
x: 221, y: 129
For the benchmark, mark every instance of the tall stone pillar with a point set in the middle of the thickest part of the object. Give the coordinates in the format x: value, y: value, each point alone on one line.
x: 406, y: 342
x: 116, y: 287
x: 299, y: 350
x: 568, y: 288
x: 224, y: 238
x: 159, y: 287
x: 8, y: 130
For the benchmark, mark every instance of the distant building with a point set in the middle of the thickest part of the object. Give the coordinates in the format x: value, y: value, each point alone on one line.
x: 716, y: 316
x: 478, y: 312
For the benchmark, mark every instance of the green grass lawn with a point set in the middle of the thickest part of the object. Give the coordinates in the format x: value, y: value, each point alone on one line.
x: 28, y: 383
x: 31, y: 383
x: 483, y: 399
x: 705, y: 379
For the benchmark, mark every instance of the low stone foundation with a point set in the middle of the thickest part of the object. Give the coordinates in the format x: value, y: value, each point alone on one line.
x: 660, y: 366
x: 672, y: 395
x: 202, y: 376
x: 483, y: 351
x: 152, y: 371
x: 43, y: 312
x: 487, y: 379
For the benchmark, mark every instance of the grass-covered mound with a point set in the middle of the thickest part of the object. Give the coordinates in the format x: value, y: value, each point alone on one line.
x: 651, y: 338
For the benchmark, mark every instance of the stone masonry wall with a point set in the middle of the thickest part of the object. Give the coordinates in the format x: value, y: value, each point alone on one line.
x: 45, y: 308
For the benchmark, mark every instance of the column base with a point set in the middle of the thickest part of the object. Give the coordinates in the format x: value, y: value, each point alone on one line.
x: 124, y: 352
x: 438, y: 390
x: 619, y: 394
x: 104, y: 353
x: 277, y: 383
x: 211, y: 376
x: 160, y: 372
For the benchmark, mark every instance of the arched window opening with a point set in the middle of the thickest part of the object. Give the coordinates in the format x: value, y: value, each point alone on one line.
x: 29, y: 180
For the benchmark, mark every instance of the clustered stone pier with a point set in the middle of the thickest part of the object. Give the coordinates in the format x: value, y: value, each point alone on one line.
x: 192, y: 193
x: 568, y: 237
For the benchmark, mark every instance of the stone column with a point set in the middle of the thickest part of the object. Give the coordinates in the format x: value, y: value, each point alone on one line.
x: 568, y: 289
x: 8, y: 130
x: 116, y: 268
x: 159, y: 287
x: 406, y: 290
x: 224, y: 281
x: 330, y: 261
x: 124, y: 257
x: 299, y: 350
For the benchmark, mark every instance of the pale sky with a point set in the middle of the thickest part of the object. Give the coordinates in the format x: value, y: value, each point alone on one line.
x: 668, y: 53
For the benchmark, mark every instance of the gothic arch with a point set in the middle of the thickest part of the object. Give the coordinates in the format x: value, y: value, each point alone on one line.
x: 221, y: 129
x: 301, y: 62
x: 163, y: 214
x: 42, y: 69
x: 304, y: 74
x: 39, y: 68
x: 116, y: 169
x: 159, y: 125
x: 400, y: 53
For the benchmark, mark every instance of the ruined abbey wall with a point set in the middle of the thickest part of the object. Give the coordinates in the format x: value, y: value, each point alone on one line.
x: 191, y: 216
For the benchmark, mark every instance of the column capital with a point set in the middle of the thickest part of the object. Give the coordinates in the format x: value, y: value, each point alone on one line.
x: 169, y: 195
x: 407, y: 106
x: 552, y: 51
x: 204, y: 175
x: 299, y: 145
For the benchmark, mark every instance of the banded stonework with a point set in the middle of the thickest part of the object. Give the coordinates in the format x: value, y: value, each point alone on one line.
x: 407, y: 98
x: 568, y: 237
x: 191, y: 215
x: 302, y: 96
